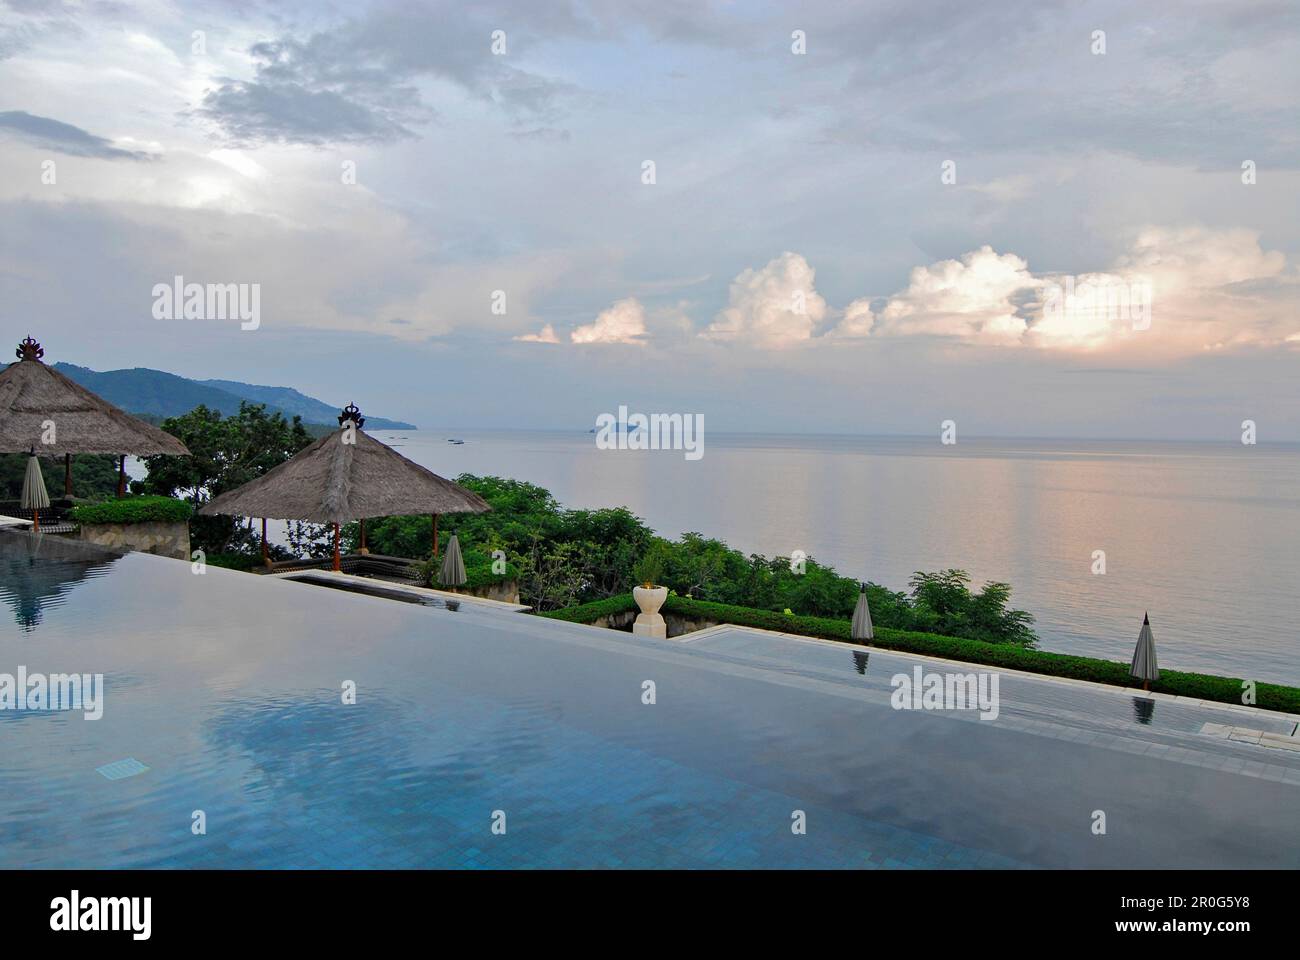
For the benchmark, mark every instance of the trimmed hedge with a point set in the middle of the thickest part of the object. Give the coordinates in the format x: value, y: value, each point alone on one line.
x: 149, y: 509
x: 591, y: 612
x: 1201, y: 686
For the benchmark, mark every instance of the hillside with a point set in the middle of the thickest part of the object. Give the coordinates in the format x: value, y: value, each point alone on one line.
x: 160, y: 394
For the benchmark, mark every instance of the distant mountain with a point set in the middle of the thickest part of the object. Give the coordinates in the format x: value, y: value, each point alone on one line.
x: 161, y: 394
x: 292, y: 402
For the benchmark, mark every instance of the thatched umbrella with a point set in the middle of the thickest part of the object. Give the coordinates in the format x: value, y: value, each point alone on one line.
x: 452, y: 573
x: 34, y: 497
x: 1144, y: 656
x: 346, y: 475
x: 862, y: 630
x: 41, y: 409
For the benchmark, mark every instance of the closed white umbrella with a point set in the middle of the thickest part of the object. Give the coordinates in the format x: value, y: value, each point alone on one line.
x: 862, y: 629
x: 1144, y: 657
x: 452, y: 573
x: 35, y: 498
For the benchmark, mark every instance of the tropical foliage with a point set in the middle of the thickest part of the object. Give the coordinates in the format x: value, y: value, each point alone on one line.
x: 94, y: 476
x: 227, y: 452
x: 566, y: 557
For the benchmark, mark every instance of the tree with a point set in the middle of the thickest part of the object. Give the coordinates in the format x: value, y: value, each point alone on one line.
x: 226, y: 453
x: 94, y: 476
x: 944, y: 604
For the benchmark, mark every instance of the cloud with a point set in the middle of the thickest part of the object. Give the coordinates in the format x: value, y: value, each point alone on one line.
x: 774, y: 307
x: 1181, y: 289
x: 926, y: 79
x: 1202, y: 258
x: 971, y: 298
x: 623, y: 322
x: 289, y: 112
x: 62, y: 137
x: 544, y: 335
x: 361, y: 80
x: 858, y: 320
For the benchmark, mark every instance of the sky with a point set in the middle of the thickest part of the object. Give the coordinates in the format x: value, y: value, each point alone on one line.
x: 1033, y: 219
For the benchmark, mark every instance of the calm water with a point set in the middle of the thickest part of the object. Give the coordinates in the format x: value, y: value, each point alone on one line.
x: 1206, y: 537
x: 224, y: 689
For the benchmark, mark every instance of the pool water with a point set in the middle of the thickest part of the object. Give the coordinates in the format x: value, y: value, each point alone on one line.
x: 229, y: 689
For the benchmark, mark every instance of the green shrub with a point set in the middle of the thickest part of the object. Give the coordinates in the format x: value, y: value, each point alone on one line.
x: 591, y: 612
x: 478, y: 570
x: 649, y: 569
x: 1200, y: 686
x: 147, y: 509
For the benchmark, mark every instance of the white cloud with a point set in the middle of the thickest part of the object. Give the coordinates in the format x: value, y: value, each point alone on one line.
x: 544, y: 335
x: 1198, y: 257
x: 1176, y: 290
x: 772, y: 308
x: 970, y: 298
x: 1204, y: 289
x: 623, y: 322
x: 858, y: 320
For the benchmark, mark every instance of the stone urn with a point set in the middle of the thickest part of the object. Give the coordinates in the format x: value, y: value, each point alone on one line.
x: 649, y: 622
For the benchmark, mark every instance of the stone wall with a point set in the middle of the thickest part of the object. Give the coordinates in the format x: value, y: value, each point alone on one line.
x: 165, y: 539
x: 507, y: 591
x: 676, y: 623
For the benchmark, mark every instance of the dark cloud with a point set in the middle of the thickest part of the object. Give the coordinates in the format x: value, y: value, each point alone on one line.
x: 1022, y: 77
x: 62, y: 137
x: 275, y: 112
x: 360, y: 81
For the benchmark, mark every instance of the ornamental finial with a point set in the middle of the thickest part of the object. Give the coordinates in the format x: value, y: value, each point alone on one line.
x: 29, y: 349
x: 350, y: 412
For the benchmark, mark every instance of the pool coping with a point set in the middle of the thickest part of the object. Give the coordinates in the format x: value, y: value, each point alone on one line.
x: 444, y: 595
x: 1045, y: 678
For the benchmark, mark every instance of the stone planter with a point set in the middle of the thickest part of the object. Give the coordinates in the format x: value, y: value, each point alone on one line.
x: 649, y: 623
x: 163, y: 538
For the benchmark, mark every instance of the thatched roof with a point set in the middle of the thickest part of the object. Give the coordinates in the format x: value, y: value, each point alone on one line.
x: 32, y: 393
x: 333, y: 482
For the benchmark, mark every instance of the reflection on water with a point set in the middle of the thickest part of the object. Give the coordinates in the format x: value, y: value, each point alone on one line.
x: 1144, y: 710
x: 38, y: 571
x: 228, y: 688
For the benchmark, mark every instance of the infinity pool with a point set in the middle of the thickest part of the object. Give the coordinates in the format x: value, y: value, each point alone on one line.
x: 226, y: 691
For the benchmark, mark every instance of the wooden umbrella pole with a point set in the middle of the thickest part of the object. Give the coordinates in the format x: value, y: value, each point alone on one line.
x: 337, y: 565
x: 36, y: 521
x: 121, y: 477
x: 435, y: 536
x: 67, y: 474
x: 363, y: 534
x: 266, y: 557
